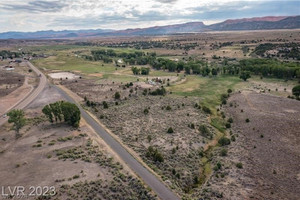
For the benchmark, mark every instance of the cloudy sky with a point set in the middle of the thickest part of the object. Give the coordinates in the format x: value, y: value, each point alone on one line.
x: 33, y: 15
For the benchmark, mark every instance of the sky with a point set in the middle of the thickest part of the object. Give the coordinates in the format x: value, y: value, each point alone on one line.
x: 35, y: 15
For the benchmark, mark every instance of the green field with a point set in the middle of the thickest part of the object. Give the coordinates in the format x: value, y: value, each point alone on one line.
x: 66, y: 62
x: 67, y: 58
x: 208, y: 89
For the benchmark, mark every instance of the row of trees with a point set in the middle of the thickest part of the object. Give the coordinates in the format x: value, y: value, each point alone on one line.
x: 63, y: 111
x: 9, y: 54
x: 137, y: 57
x: 271, y: 68
x: 262, y: 67
x: 142, y: 70
x: 57, y: 111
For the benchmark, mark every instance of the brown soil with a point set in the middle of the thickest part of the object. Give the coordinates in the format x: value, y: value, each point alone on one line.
x: 72, y: 160
x: 10, y: 81
x: 267, y: 146
x: 138, y: 130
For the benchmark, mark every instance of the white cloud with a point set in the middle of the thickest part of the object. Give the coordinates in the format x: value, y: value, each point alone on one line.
x: 30, y: 15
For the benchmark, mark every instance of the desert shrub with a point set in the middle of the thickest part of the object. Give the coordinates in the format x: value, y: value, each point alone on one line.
x: 247, y: 120
x: 229, y: 90
x: 105, y: 105
x: 239, y: 165
x: 192, y: 126
x: 145, y: 92
x: 218, y: 166
x: 223, y: 115
x: 173, y: 171
x: 206, y: 109
x: 204, y: 130
x: 223, y: 152
x: 117, y: 95
x: 154, y: 154
x: 228, y: 125
x: 173, y: 150
x: 168, y: 108
x: 296, y: 90
x: 230, y: 120
x: 149, y: 138
x: 146, y: 111
x: 75, y: 176
x: 224, y: 141
x: 233, y: 138
x: 159, y: 91
x: 170, y: 130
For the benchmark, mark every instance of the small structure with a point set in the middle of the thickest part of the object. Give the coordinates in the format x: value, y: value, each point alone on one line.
x: 9, y: 68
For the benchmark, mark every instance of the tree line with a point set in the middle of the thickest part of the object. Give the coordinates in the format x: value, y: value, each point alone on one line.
x: 257, y: 66
x: 9, y: 54
x: 62, y: 111
x: 271, y: 68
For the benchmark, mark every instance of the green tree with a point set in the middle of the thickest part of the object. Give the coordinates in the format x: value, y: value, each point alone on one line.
x: 61, y: 110
x: 187, y: 69
x: 180, y: 66
x: 145, y: 70
x: 296, y: 90
x: 214, y: 72
x: 135, y: 70
x: 71, y: 113
x: 56, y: 110
x: 224, y: 141
x: 48, y: 112
x: 245, y: 75
x: 17, y: 117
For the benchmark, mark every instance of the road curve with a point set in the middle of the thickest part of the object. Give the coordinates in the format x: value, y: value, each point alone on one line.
x: 29, y: 98
x: 151, y: 180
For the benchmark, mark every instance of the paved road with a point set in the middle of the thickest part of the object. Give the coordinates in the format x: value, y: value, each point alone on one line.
x: 29, y: 98
x: 158, y: 187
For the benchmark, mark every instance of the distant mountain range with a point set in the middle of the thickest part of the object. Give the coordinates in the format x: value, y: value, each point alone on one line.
x: 257, y: 23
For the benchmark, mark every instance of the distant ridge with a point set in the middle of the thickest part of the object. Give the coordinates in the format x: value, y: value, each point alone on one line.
x: 51, y: 34
x: 255, y: 23
x: 258, y: 23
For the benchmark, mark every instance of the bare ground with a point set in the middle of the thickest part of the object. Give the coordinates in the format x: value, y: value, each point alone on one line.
x: 267, y: 146
x: 137, y: 130
x: 75, y: 161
